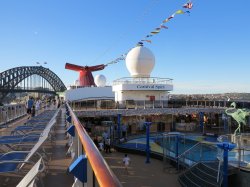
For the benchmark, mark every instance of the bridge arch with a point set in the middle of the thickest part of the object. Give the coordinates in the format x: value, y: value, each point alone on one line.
x: 10, y: 79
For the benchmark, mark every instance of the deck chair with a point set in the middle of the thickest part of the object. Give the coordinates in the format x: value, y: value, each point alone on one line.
x: 11, y: 142
x: 32, y: 135
x: 29, y: 179
x: 7, y: 143
x: 23, y: 129
x: 13, y: 162
x: 35, y: 124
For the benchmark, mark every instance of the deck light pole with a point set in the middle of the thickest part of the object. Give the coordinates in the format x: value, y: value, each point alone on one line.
x: 147, y: 124
x: 177, y: 150
x: 201, y: 114
x: 119, y: 126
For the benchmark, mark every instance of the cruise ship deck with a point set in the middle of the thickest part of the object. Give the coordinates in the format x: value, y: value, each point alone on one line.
x: 58, y: 161
x: 60, y: 142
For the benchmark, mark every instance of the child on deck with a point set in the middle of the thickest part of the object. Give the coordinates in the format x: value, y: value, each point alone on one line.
x: 126, y: 161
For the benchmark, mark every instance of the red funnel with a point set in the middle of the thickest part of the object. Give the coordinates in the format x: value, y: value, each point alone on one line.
x: 85, y: 73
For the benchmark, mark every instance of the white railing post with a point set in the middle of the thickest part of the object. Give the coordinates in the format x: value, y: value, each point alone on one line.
x: 15, y: 113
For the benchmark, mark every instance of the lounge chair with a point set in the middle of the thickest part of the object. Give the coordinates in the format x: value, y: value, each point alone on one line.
x: 30, y: 136
x: 30, y: 178
x: 13, y: 162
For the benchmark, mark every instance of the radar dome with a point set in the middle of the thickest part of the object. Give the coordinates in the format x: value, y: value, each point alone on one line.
x: 140, y: 62
x: 100, y: 80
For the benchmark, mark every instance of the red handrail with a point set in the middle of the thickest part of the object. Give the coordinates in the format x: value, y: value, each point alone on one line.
x: 104, y: 175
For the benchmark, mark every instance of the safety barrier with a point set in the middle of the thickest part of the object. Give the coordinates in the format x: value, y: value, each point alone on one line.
x: 89, y: 104
x: 81, y: 144
x: 9, y: 113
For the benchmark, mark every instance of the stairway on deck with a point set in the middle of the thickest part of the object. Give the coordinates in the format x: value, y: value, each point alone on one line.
x: 201, y: 174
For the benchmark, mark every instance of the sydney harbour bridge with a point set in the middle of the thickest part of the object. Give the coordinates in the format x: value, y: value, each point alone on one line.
x: 29, y: 79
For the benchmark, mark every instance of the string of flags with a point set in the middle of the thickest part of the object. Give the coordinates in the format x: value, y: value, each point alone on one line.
x: 185, y: 10
x: 186, y: 7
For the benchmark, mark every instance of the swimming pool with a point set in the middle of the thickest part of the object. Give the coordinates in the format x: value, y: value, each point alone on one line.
x: 159, y: 141
x: 191, y: 148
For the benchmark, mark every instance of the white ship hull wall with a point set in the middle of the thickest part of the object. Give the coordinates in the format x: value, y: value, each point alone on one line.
x: 140, y: 95
x: 89, y: 93
x: 141, y: 92
x: 143, y: 86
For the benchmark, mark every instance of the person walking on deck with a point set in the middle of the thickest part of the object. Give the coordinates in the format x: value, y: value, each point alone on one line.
x: 29, y: 105
x: 108, y: 145
x: 126, y: 162
x: 38, y: 105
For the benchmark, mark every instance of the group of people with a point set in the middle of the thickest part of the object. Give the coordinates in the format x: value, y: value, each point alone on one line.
x: 104, y: 144
x: 33, y: 106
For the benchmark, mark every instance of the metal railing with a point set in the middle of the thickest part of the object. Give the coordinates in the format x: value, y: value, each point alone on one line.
x: 96, y: 163
x: 143, y: 80
x: 111, y: 104
x: 188, y: 150
x: 142, y: 104
x: 9, y: 113
x: 240, y: 156
x: 200, y: 152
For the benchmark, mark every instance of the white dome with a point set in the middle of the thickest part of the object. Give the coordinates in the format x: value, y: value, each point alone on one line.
x: 100, y: 80
x: 140, y: 62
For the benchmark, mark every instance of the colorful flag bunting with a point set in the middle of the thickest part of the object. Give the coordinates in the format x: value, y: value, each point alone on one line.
x: 169, y: 18
x: 166, y: 20
x: 179, y: 12
x: 164, y: 27
x: 155, y: 32
x: 188, y: 5
x: 149, y: 41
x: 140, y: 44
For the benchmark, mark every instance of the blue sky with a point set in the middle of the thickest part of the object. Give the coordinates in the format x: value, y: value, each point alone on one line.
x: 206, y: 52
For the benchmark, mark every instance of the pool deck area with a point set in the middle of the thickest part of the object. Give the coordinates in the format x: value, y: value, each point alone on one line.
x: 139, y: 173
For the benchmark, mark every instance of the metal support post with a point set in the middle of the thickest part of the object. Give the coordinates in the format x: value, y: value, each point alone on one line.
x: 119, y: 126
x: 201, y: 114
x: 147, y: 124
x: 177, y: 151
x: 226, y: 148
